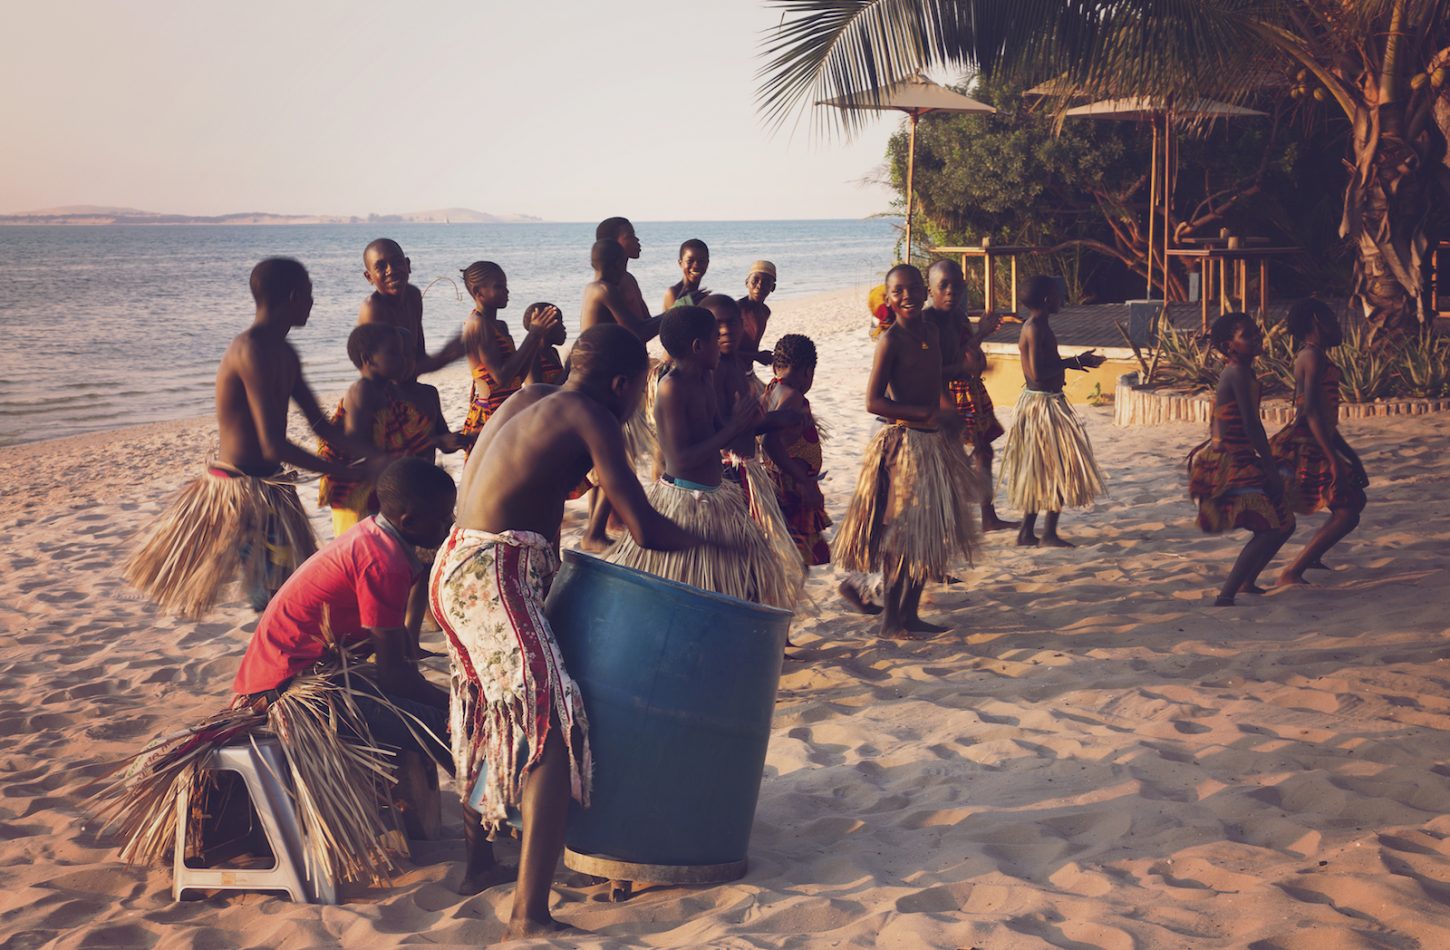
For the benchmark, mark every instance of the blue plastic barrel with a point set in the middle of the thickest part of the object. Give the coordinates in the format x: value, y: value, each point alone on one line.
x: 679, y: 686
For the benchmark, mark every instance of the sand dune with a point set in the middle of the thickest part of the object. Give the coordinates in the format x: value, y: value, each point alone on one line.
x: 1094, y: 757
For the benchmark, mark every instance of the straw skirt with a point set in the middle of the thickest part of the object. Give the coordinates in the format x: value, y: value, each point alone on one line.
x: 738, y: 560
x: 1048, y: 464
x: 914, y: 512
x: 223, y: 525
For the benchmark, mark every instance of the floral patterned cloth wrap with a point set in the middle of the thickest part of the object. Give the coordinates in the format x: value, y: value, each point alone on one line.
x: 508, y: 676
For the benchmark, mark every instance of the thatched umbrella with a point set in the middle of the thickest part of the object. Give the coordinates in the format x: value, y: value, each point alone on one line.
x: 916, y: 96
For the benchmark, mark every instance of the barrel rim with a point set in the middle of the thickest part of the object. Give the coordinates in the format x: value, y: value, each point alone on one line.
x: 644, y: 578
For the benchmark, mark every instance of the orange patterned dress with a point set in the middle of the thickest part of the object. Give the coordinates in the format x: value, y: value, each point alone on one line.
x: 974, y: 405
x: 1297, y: 451
x: 1225, y: 478
x: 487, y: 393
x: 399, y: 429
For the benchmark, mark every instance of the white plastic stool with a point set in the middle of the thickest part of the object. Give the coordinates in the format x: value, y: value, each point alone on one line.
x: 263, y: 769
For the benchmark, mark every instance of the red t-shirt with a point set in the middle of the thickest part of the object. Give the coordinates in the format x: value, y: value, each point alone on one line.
x: 362, y: 579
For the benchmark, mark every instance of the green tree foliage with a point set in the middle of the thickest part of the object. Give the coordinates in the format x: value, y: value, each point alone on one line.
x: 1082, y: 188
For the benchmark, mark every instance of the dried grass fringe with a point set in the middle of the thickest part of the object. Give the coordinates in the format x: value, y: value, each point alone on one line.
x: 338, y: 784
x: 914, y: 512
x: 1048, y: 464
x: 765, y: 511
x: 214, y: 531
x: 739, y: 562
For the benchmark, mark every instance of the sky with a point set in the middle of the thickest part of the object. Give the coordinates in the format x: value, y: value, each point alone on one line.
x: 571, y: 110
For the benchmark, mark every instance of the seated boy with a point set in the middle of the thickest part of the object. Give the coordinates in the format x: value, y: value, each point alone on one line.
x: 911, y: 515
x: 243, y: 516
x: 694, y: 262
x: 740, y: 562
x: 519, y: 713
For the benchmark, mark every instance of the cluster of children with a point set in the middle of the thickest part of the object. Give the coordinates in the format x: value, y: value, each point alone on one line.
x: 735, y: 506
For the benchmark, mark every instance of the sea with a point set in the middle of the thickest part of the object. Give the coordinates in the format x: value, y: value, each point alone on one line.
x: 118, y: 325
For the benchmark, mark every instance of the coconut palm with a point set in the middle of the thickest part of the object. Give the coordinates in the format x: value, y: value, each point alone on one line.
x: 1381, y: 64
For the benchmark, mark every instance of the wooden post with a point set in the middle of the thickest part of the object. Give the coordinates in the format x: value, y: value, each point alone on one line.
x: 1263, y: 288
x: 1013, y: 302
x: 910, y: 176
x: 1153, y: 209
x: 1167, y: 189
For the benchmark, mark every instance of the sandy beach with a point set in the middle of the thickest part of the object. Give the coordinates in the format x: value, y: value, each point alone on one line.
x: 1093, y: 757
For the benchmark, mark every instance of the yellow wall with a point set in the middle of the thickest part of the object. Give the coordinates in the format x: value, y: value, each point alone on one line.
x: 1004, y: 379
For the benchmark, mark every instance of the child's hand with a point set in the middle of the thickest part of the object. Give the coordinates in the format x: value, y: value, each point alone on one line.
x: 449, y: 442
x: 948, y: 420
x: 542, y: 320
x: 1090, y: 359
x: 747, y: 415
x: 989, y: 323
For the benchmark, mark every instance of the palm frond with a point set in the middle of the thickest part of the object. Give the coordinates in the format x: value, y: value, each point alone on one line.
x: 850, y: 48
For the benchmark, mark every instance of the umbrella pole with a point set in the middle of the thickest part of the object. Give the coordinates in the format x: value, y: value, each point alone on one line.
x: 910, y: 176
x: 1167, y: 196
x: 1152, y: 205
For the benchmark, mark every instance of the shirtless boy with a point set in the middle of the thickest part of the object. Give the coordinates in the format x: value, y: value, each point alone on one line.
x: 740, y: 561
x: 243, y: 516
x: 622, y: 232
x: 396, y: 302
x: 911, y: 515
x: 507, y: 674
x: 963, y: 363
x: 1048, y: 464
x: 606, y: 301
x: 694, y: 262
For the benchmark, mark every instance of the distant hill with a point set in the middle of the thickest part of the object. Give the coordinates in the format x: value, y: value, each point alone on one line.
x: 101, y: 214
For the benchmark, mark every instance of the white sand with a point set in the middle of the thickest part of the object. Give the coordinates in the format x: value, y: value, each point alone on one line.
x: 1095, y: 757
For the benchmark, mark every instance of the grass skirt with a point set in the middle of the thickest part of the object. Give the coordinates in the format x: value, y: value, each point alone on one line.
x: 760, y: 499
x: 1048, y: 464
x: 223, y: 525
x: 339, y: 777
x: 914, y: 512
x: 739, y: 561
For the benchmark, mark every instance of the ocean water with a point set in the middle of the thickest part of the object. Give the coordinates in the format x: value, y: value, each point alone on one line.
x: 108, y: 326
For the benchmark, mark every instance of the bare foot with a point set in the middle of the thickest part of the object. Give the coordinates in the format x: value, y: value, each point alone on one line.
x: 478, y: 881
x: 853, y: 597
x: 1222, y: 601
x: 1318, y: 565
x: 901, y: 633
x: 524, y: 927
x: 951, y: 579
x: 1053, y: 541
x: 595, y: 545
x: 917, y: 625
x: 1251, y: 588
x: 994, y: 523
x: 1291, y: 580
x: 1030, y: 541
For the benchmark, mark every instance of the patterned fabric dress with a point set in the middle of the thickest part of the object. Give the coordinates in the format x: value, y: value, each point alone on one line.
x: 1225, y: 478
x: 975, y: 407
x: 487, y: 393
x: 1296, y: 450
x: 487, y: 591
x: 399, y: 429
x: 805, y: 522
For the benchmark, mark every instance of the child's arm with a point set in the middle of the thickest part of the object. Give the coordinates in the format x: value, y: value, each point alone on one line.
x: 672, y: 412
x: 613, y: 299
x: 1307, y: 369
x: 1241, y: 382
x: 616, y: 476
x: 672, y: 294
x: 360, y: 405
x: 877, y: 402
x: 504, y: 368
x: 269, y: 415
